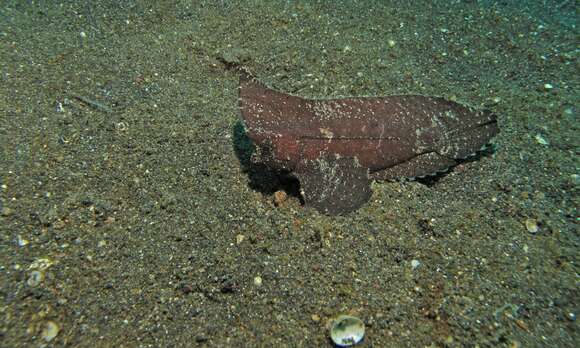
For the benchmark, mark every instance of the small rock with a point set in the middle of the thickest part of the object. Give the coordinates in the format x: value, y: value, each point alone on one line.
x: 280, y: 197
x: 6, y: 211
x: 35, y: 278
x: 258, y: 281
x: 415, y: 264
x: 50, y: 331
x: 235, y: 55
x: 532, y: 225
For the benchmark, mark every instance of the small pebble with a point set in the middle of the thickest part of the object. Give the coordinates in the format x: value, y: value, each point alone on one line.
x: 235, y: 55
x: 346, y: 331
x: 415, y: 264
x: 532, y: 225
x: 258, y: 281
x: 36, y: 277
x: 280, y: 197
x: 548, y: 86
x: 50, y: 331
x: 5, y: 211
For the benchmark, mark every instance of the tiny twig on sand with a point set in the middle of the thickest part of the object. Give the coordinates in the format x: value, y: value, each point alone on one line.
x: 93, y: 103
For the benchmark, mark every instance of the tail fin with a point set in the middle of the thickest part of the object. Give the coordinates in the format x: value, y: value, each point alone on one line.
x: 475, y: 130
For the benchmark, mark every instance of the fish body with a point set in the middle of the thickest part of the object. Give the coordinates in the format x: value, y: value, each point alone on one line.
x: 335, y: 147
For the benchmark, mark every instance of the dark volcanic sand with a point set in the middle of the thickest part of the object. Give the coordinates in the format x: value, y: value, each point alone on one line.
x: 127, y: 220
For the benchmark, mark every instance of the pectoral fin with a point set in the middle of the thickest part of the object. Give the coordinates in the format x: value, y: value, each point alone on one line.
x: 334, y: 185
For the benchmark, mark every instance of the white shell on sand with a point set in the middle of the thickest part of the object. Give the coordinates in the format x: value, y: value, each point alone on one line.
x: 347, y: 331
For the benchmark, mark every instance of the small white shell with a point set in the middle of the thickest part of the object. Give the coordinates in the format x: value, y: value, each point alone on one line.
x: 347, y: 331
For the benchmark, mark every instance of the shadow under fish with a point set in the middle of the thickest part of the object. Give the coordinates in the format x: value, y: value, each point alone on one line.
x: 336, y: 147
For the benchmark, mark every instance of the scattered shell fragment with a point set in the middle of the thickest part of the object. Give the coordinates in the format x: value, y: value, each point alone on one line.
x: 258, y: 281
x: 50, y: 331
x: 541, y: 140
x: 415, y: 264
x: 346, y: 331
x: 40, y: 264
x: 532, y: 225
x: 22, y: 241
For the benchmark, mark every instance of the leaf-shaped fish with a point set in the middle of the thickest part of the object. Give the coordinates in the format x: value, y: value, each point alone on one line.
x: 336, y: 147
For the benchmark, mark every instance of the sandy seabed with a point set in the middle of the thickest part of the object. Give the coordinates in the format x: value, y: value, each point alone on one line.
x: 127, y: 219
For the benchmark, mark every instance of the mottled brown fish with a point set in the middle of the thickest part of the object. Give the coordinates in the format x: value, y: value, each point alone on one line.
x: 337, y: 147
